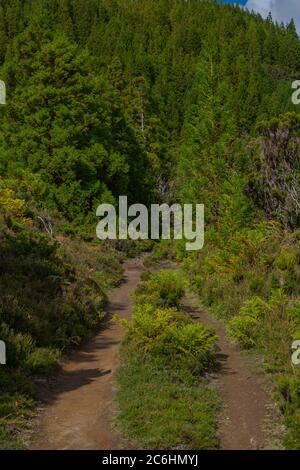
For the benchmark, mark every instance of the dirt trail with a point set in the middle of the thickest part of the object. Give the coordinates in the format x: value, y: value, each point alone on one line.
x: 79, y: 412
x: 248, y: 411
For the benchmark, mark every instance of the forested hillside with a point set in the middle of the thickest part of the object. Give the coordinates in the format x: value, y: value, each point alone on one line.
x: 104, y: 95
x: 164, y: 101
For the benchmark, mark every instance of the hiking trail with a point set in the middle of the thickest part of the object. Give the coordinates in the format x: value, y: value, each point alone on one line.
x: 249, y: 419
x: 78, y: 414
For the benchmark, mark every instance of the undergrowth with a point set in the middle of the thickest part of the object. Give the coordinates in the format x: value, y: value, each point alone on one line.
x: 252, y: 282
x: 52, y: 295
x: 163, y: 397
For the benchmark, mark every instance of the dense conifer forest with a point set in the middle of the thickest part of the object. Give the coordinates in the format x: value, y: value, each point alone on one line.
x: 164, y: 101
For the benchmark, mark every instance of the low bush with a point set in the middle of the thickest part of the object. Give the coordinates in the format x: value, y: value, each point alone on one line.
x: 244, y: 327
x: 269, y: 326
x: 41, y: 361
x: 164, y: 250
x: 163, y: 358
x: 251, y: 279
x: 52, y: 295
x: 171, y: 339
x: 164, y: 289
x: 288, y: 397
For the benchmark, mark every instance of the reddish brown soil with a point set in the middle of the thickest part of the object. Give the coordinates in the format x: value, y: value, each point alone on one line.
x: 247, y: 409
x: 79, y: 412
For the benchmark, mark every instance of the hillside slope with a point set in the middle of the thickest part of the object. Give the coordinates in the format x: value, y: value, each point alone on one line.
x: 164, y: 101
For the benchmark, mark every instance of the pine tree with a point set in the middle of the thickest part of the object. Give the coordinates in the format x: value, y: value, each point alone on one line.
x: 66, y: 124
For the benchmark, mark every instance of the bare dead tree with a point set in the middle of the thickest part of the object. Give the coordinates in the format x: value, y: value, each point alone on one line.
x: 46, y: 223
x: 275, y: 181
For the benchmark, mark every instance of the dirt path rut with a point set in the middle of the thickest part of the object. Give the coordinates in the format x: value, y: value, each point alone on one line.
x: 79, y: 412
x: 249, y: 418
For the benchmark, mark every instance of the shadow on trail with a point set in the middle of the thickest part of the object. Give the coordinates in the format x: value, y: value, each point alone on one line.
x: 78, y: 410
x: 68, y: 381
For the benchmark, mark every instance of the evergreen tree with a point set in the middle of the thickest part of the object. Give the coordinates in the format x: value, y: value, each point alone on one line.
x: 66, y: 124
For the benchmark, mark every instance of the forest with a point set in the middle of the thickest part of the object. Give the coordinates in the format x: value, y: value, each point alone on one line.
x: 165, y: 101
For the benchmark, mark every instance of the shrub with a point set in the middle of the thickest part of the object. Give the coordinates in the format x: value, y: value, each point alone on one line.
x: 15, y: 403
x: 243, y: 327
x: 164, y: 250
x: 162, y: 357
x: 164, y: 289
x: 52, y: 293
x: 170, y: 337
x: 269, y: 326
x: 286, y: 260
x: 288, y: 398
x: 18, y: 346
x: 242, y: 330
x: 42, y: 361
x: 190, y: 344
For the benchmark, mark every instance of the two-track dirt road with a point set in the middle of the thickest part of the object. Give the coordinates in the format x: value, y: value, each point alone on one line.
x: 79, y: 412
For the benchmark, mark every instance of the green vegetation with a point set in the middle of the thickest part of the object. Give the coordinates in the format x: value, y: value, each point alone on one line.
x: 162, y: 412
x: 163, y: 358
x: 52, y: 295
x: 164, y: 101
x: 163, y: 290
x: 253, y: 283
